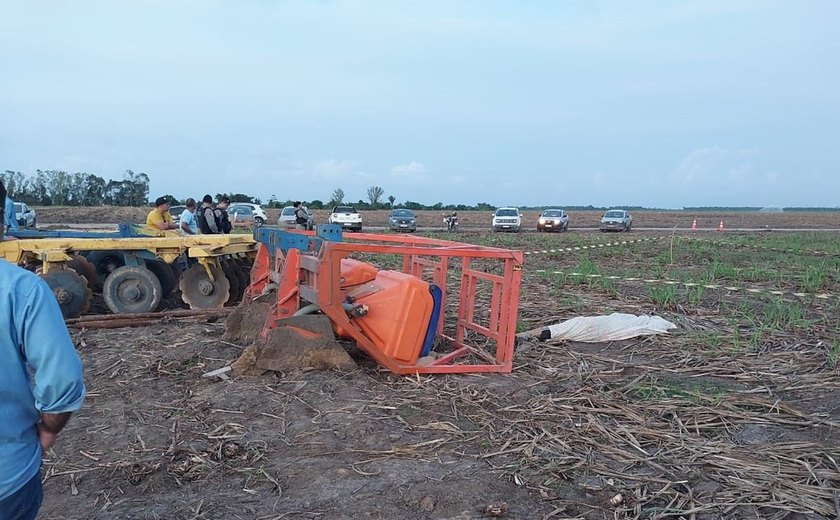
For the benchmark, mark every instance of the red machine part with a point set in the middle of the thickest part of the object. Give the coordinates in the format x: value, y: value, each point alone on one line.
x: 478, y: 335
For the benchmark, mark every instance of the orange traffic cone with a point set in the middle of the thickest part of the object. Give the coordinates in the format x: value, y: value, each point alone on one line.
x: 720, y: 227
x: 694, y: 224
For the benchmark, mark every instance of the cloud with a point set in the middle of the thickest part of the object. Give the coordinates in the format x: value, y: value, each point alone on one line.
x: 332, y: 169
x: 411, y: 169
x: 717, y: 165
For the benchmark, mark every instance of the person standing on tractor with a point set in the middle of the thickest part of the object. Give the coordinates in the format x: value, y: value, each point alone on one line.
x: 208, y: 224
x: 160, y: 218
x: 188, y: 223
x: 222, y: 215
x: 34, y: 408
x: 10, y: 222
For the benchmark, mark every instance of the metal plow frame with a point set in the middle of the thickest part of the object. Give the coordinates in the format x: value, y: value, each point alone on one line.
x: 306, y: 266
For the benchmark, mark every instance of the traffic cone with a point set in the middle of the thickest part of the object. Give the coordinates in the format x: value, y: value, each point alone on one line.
x: 720, y: 227
x: 694, y: 224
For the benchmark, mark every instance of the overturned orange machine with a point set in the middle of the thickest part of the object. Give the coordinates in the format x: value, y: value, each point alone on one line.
x: 414, y: 304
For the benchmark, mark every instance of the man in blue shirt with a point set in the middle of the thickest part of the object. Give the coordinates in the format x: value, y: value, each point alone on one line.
x: 33, y: 410
x: 9, y: 216
x: 188, y: 221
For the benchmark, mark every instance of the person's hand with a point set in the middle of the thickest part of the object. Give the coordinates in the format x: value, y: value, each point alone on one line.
x: 45, y: 437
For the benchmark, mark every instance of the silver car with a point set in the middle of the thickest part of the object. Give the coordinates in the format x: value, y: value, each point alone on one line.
x: 402, y: 220
x: 287, y: 219
x: 616, y: 220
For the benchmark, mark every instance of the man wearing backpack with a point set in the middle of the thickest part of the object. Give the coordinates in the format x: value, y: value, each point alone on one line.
x: 222, y: 218
x: 208, y: 224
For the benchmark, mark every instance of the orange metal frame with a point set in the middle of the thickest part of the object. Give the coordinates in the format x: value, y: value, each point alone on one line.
x: 315, y: 277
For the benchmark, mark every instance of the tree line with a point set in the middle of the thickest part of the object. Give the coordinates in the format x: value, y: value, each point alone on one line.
x: 61, y: 188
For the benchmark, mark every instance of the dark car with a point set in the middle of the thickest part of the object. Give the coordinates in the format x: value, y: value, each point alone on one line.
x: 616, y: 220
x: 553, y: 220
x: 402, y: 220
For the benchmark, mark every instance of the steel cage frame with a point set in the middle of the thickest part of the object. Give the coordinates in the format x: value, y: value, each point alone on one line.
x: 309, y: 269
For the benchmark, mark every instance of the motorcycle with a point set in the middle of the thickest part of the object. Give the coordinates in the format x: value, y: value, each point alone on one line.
x: 451, y: 222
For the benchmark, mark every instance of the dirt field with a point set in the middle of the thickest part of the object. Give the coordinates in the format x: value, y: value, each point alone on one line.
x: 733, y: 415
x: 479, y: 219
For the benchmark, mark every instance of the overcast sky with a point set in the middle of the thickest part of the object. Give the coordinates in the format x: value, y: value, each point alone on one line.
x: 664, y: 104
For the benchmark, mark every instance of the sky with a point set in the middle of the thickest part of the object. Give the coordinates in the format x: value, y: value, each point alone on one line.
x: 652, y: 103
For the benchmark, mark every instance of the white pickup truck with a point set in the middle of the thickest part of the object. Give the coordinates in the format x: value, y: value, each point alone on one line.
x: 347, y: 217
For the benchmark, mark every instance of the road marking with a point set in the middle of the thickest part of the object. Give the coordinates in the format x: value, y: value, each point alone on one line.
x: 592, y: 246
x: 669, y: 281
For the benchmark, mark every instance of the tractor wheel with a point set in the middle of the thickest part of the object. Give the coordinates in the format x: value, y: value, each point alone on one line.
x: 131, y: 290
x: 70, y: 290
x: 200, y: 292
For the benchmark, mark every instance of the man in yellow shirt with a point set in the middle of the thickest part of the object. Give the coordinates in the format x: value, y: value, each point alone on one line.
x: 160, y: 218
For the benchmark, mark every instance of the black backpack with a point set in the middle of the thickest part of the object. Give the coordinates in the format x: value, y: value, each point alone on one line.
x: 202, y: 221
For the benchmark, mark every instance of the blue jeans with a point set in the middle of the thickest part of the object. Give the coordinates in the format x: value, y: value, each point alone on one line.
x: 24, y: 503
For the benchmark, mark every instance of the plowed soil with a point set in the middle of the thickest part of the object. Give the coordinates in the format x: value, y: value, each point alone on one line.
x: 732, y: 415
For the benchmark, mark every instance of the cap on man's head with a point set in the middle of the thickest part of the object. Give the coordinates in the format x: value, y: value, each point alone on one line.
x: 160, y: 201
x: 207, y: 199
x: 190, y: 202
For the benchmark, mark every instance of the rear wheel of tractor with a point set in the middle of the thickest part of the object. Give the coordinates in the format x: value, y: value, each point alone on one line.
x: 200, y: 292
x: 71, y: 291
x: 165, y: 275
x: 131, y: 290
x: 105, y: 263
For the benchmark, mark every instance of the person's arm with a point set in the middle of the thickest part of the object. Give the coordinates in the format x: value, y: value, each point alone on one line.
x: 59, y: 386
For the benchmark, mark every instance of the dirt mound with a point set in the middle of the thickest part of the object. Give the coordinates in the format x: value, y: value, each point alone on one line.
x: 296, y: 343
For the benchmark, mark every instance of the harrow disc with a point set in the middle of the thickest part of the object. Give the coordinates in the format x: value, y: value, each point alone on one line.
x: 70, y: 290
x: 105, y: 262
x: 199, y: 292
x: 230, y: 269
x: 130, y: 290
x: 165, y: 274
x: 83, y: 267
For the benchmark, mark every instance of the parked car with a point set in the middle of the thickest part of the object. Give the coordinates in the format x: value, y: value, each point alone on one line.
x: 287, y: 219
x: 402, y: 220
x: 553, y: 220
x: 256, y: 210
x: 244, y: 213
x: 616, y: 220
x: 25, y: 215
x: 176, y: 211
x: 346, y: 217
x: 507, y: 219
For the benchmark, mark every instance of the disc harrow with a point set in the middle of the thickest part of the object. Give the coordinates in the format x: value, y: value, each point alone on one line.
x: 135, y: 273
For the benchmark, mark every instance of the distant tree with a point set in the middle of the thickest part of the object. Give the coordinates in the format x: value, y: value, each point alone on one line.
x: 173, y: 200
x: 374, y: 194
x: 337, y: 197
x: 391, y: 200
x: 316, y: 204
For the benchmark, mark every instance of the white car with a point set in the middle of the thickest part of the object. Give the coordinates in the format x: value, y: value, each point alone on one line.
x: 256, y: 211
x: 347, y: 217
x: 507, y: 219
x: 24, y: 215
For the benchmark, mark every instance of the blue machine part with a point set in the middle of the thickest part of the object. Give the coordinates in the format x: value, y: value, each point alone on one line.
x: 434, y: 319
x: 124, y: 231
x: 276, y: 238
